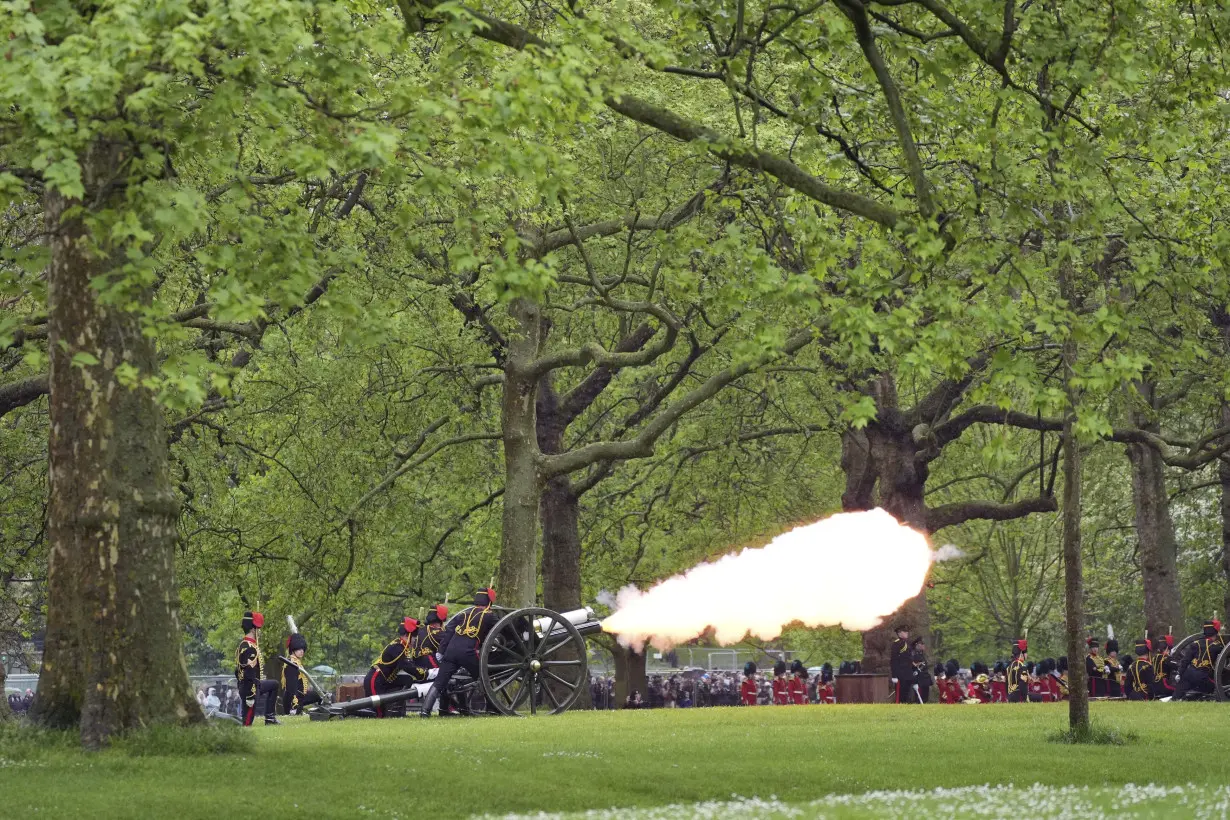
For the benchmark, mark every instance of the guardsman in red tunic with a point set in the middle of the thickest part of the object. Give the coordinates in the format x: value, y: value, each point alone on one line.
x: 781, y: 689
x: 382, y: 677
x: 980, y: 686
x: 824, y: 690
x: 797, y: 685
x: 253, y: 689
x: 999, y: 683
x: 748, y: 689
x: 950, y: 692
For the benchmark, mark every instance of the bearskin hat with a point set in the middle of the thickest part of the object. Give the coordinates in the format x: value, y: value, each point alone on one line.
x: 952, y: 668
x: 779, y: 668
x: 1112, y: 645
x: 938, y: 672
x: 826, y: 672
x: 797, y: 667
x: 999, y: 668
x: 749, y: 668
x: 1062, y: 663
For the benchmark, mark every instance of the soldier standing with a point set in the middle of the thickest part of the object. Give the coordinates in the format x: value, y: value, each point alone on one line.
x: 1095, y: 669
x: 248, y: 663
x: 901, y: 668
x: 460, y: 642
x: 781, y: 689
x: 295, y: 694
x: 1018, y: 677
x: 797, y: 685
x: 1114, y: 689
x: 824, y: 689
x: 382, y: 677
x: 922, y: 675
x: 1140, y: 673
x: 747, y: 690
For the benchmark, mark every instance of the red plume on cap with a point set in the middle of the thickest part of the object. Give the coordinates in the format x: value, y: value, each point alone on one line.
x: 409, y: 624
x: 491, y: 595
x: 1022, y: 644
x: 441, y: 612
x: 258, y: 620
x: 1217, y: 624
x: 1169, y: 640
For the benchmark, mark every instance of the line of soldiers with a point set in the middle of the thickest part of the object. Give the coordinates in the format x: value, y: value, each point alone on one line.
x: 789, y: 689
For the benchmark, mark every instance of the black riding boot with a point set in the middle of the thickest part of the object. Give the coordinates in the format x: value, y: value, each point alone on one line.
x: 429, y: 702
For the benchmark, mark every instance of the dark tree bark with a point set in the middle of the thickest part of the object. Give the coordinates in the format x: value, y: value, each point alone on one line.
x: 113, y: 658
x: 884, y: 455
x: 559, y: 511
x: 1154, y: 527
x: 518, y: 579
x: 630, y: 674
x: 1223, y: 473
x: 5, y: 712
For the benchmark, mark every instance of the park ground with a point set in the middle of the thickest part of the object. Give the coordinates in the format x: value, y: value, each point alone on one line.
x: 815, y: 761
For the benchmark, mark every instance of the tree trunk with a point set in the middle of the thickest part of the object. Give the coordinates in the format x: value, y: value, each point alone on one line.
x: 518, y: 575
x: 630, y: 675
x: 1154, y: 527
x: 559, y: 512
x: 113, y: 658
x: 1073, y: 570
x: 5, y: 712
x: 1223, y: 473
x: 883, y: 454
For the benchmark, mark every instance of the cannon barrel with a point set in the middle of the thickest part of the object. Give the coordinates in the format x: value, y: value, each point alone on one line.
x: 349, y: 707
x: 583, y: 619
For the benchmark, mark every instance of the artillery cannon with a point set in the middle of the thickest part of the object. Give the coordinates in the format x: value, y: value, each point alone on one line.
x: 534, y: 661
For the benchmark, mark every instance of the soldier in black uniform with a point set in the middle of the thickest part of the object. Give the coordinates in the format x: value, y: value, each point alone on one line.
x: 382, y: 677
x: 1114, y: 670
x: 1018, y: 677
x: 1140, y: 674
x: 1196, y: 665
x: 258, y: 694
x: 1164, y: 668
x: 901, y: 666
x: 1095, y: 670
x: 295, y: 694
x: 427, y: 642
x: 460, y: 642
x: 922, y: 672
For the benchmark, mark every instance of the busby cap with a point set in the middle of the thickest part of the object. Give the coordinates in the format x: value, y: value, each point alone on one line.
x: 253, y: 620
x: 437, y: 614
x: 1091, y: 642
x: 1112, y: 645
x: 408, y: 625
x: 1143, y: 645
x: 484, y: 596
x: 901, y: 627
x: 1212, y: 627
x: 296, y: 642
x: 749, y: 668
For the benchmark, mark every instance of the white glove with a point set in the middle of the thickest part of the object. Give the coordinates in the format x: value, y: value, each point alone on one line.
x: 893, y: 681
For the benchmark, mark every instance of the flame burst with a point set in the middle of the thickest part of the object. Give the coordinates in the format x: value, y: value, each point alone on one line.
x: 851, y: 569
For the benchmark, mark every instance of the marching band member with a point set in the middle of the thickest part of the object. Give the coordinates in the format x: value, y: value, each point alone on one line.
x: 824, y: 691
x: 781, y: 690
x: 796, y: 687
x: 999, y: 682
x: 748, y: 689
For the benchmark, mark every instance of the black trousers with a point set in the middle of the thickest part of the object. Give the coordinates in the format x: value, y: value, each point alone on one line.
x: 448, y: 668
x: 258, y: 696
x: 375, y: 684
x: 305, y: 700
x: 1193, y: 680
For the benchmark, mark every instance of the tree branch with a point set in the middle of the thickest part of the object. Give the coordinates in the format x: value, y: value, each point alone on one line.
x: 19, y: 394
x: 949, y: 515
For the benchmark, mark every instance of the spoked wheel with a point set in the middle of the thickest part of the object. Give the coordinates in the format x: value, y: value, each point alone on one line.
x: 533, y: 672
x: 1221, y: 675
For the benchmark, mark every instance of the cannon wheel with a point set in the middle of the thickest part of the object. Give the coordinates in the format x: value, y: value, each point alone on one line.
x: 1221, y: 674
x: 523, y: 674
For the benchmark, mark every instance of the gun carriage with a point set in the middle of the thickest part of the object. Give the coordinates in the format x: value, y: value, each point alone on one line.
x: 533, y: 662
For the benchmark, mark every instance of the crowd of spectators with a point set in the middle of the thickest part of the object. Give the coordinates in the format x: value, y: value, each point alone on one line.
x: 218, y: 697
x: 19, y: 703
x: 687, y: 689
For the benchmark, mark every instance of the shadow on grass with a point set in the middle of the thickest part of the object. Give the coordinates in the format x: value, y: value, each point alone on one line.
x: 22, y: 741
x: 1094, y: 735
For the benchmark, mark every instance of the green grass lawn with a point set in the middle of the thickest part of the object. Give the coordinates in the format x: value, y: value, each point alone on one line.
x: 797, y: 761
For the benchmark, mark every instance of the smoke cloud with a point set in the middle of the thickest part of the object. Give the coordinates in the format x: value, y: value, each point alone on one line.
x: 851, y: 569
x: 949, y: 552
